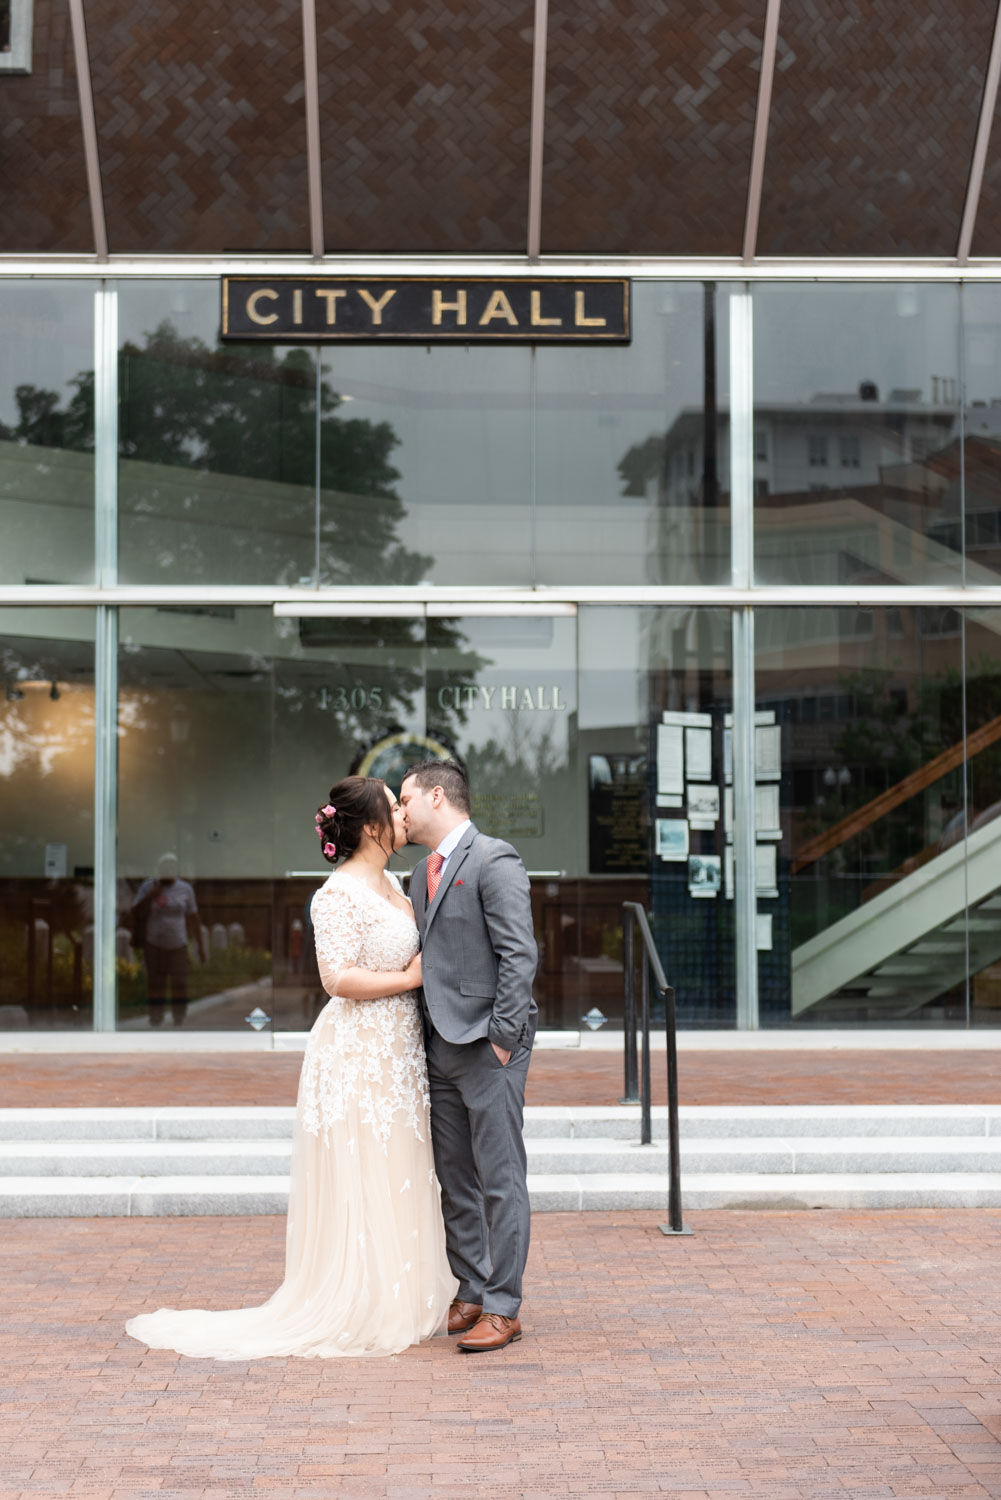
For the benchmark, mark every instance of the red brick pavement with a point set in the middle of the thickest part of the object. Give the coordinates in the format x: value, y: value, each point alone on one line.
x: 796, y: 1356
x: 558, y: 1077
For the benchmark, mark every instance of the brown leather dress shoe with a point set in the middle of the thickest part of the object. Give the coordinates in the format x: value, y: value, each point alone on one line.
x: 462, y: 1315
x: 491, y: 1332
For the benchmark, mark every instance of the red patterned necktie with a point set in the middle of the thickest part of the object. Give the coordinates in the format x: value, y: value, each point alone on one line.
x: 435, y: 862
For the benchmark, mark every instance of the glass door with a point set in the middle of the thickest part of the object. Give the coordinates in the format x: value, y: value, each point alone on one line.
x: 349, y: 699
x: 370, y: 693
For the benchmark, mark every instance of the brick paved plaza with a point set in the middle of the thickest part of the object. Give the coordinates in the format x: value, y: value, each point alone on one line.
x: 796, y: 1356
x: 836, y: 1076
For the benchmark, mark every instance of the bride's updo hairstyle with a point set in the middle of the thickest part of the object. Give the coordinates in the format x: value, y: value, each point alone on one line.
x: 354, y: 802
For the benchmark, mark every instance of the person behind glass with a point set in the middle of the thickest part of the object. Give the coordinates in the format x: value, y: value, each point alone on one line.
x: 164, y: 915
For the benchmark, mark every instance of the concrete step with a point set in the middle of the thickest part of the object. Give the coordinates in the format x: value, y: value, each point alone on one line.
x: 616, y: 1122
x: 547, y: 1156
x: 102, y: 1197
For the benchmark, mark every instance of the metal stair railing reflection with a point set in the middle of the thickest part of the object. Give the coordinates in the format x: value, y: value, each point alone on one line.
x: 650, y: 967
x: 895, y: 796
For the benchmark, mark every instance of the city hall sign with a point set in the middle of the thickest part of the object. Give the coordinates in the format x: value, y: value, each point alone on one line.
x: 425, y: 309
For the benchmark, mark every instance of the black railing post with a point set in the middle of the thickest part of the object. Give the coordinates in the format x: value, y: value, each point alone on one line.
x: 674, y: 1224
x: 646, y: 1129
x: 651, y: 968
x: 631, y: 1083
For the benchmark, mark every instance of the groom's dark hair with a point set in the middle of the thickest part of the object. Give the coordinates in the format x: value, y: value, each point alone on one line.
x: 449, y: 776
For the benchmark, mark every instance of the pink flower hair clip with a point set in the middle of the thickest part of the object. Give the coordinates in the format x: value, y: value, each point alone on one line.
x: 329, y: 850
x: 325, y: 812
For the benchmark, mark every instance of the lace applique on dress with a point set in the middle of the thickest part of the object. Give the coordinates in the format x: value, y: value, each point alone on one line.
x: 364, y: 1057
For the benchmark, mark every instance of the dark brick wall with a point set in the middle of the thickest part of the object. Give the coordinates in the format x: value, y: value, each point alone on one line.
x: 201, y: 128
x: 425, y: 124
x: 425, y: 127
x: 873, y: 120
x: 45, y: 205
x: 650, y: 114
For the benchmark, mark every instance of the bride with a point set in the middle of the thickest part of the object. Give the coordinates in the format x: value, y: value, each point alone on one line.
x: 365, y: 1265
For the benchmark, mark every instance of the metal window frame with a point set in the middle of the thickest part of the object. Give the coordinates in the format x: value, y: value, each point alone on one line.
x: 741, y: 321
x: 105, y: 655
x: 22, y: 27
x: 639, y: 268
x: 375, y: 600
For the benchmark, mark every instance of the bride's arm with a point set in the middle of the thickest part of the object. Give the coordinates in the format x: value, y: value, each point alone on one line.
x: 373, y: 984
x: 339, y: 929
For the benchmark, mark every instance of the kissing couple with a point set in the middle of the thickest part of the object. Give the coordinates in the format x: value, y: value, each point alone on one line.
x: 408, y: 1209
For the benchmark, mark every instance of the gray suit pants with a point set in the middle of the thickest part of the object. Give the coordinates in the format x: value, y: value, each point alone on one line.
x: 477, y: 1112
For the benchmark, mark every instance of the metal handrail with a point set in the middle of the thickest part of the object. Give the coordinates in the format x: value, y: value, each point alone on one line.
x: 650, y: 964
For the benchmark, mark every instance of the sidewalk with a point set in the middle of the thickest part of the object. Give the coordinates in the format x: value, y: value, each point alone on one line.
x: 783, y: 1356
x: 786, y: 1076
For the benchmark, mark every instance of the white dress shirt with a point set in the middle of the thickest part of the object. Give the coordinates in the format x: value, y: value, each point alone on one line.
x: 450, y: 843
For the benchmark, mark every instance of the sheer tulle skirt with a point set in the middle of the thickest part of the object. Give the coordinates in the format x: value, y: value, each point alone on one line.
x: 365, y: 1266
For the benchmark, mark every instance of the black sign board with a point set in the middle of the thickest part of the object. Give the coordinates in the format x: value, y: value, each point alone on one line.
x: 424, y: 309
x: 619, y: 815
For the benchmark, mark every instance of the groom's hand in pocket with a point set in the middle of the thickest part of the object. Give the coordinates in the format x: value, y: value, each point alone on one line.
x: 502, y: 1057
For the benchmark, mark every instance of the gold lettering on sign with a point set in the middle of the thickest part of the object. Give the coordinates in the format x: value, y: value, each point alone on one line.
x: 331, y: 301
x: 538, y: 321
x: 439, y: 306
x: 376, y: 304
x: 252, y: 301
x: 297, y: 305
x: 581, y: 320
x: 498, y: 307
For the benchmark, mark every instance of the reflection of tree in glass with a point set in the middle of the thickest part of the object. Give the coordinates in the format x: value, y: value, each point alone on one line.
x: 522, y: 762
x: 41, y: 421
x: 251, y: 413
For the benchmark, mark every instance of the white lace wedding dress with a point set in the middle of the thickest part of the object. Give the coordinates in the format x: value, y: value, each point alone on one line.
x: 365, y: 1265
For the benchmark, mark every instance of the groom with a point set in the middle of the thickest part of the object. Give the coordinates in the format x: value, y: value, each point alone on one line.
x: 474, y: 914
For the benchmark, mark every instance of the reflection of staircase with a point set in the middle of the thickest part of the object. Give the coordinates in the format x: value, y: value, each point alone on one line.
x: 908, y: 945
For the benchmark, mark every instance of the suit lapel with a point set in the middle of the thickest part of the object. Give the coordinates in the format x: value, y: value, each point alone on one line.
x: 454, y: 866
x: 418, y: 891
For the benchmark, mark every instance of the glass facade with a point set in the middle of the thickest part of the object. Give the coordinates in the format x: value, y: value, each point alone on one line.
x: 632, y: 471
x: 381, y: 466
x: 861, y: 816
x: 46, y: 432
x: 858, y: 421
x: 523, y: 558
x: 47, y: 818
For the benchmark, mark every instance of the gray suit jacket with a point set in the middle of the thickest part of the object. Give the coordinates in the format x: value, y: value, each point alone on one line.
x: 477, y: 943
